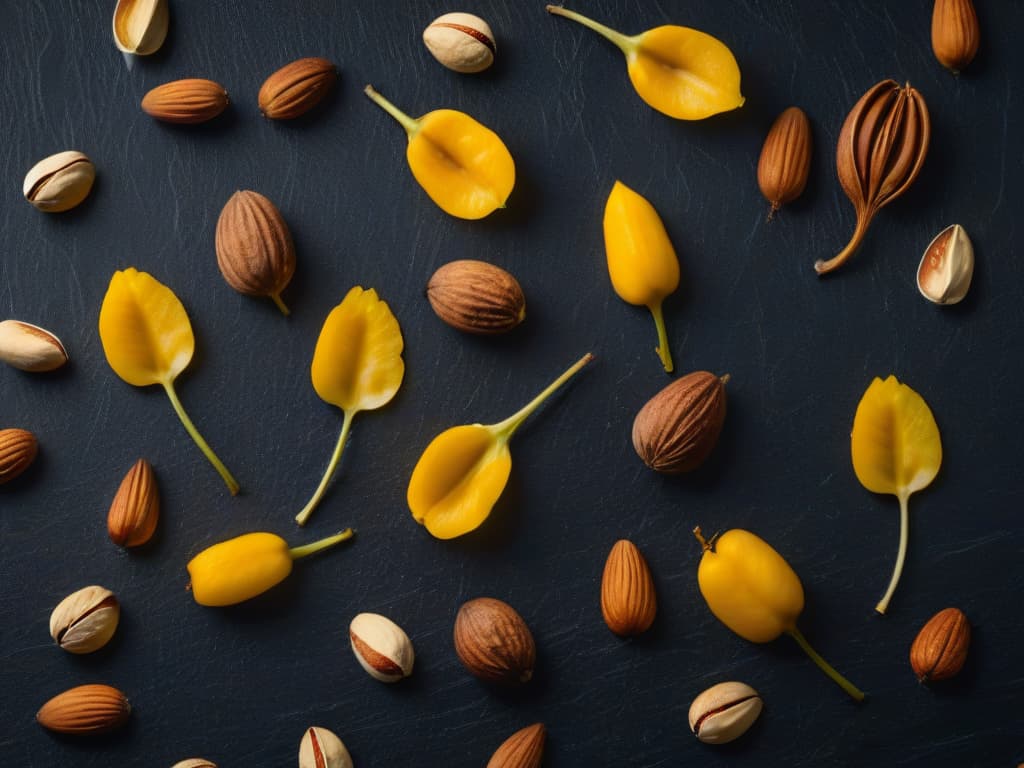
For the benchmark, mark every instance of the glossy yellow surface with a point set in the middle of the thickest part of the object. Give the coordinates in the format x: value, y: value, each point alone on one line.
x: 146, y: 334
x: 357, y: 363
x: 238, y: 569
x: 683, y: 73
x: 750, y: 587
x: 895, y: 443
x: 642, y: 263
x: 462, y: 164
x: 463, y: 471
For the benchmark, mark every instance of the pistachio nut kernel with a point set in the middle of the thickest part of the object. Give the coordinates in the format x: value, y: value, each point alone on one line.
x: 724, y: 712
x: 59, y: 182
x: 85, y: 620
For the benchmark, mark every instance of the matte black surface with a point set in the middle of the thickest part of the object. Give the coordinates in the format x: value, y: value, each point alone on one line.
x: 238, y: 686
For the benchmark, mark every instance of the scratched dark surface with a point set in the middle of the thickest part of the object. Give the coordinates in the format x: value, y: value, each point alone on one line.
x: 239, y: 686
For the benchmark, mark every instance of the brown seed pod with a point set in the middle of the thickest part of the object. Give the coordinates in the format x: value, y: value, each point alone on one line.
x: 18, y: 449
x: 940, y: 648
x: 493, y: 641
x: 193, y: 100
x: 296, y: 88
x: 254, y: 247
x: 476, y: 297
x: 523, y: 749
x: 955, y: 33
x: 678, y: 428
x: 135, y: 510
x: 785, y: 159
x: 628, y: 601
x: 85, y: 710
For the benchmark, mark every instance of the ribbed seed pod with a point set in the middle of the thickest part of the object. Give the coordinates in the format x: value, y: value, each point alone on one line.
x: 628, y: 601
x: 476, y: 297
x: 785, y: 159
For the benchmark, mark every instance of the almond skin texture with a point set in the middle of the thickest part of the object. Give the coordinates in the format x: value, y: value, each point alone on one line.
x: 136, y: 507
x: 254, y: 247
x: 296, y: 88
x: 785, y: 159
x: 476, y: 297
x: 18, y: 449
x: 493, y: 641
x: 628, y: 602
x: 955, y: 33
x: 678, y: 428
x: 85, y: 710
x: 189, y: 101
x: 940, y: 648
x: 523, y: 749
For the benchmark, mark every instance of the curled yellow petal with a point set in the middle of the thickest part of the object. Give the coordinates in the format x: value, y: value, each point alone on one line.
x: 896, y: 448
x: 145, y: 331
x: 357, y: 366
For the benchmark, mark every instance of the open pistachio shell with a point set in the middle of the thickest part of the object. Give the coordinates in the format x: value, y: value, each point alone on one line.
x: 140, y: 26
x: 946, y: 268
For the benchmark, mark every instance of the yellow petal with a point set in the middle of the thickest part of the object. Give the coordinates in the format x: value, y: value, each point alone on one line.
x: 895, y: 442
x: 642, y: 263
x: 357, y: 364
x: 684, y: 73
x: 458, y: 479
x: 145, y: 331
x: 464, y: 166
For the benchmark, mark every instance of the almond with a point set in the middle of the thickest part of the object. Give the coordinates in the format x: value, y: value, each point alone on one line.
x: 254, y: 246
x: 296, y: 88
x: 955, y: 33
x: 136, y: 507
x: 18, y: 449
x: 785, y: 159
x: 678, y: 427
x: 85, y: 710
x: 628, y: 602
x: 30, y: 348
x: 192, y: 100
x: 476, y: 297
x: 523, y: 749
x: 940, y: 648
x: 493, y: 642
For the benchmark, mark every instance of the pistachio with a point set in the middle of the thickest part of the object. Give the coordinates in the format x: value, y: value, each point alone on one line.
x: 85, y: 620
x: 30, y: 348
x: 140, y: 26
x: 461, y: 41
x: 724, y: 712
x: 195, y: 762
x: 59, y: 182
x: 381, y: 647
x: 946, y: 268
x: 320, y: 748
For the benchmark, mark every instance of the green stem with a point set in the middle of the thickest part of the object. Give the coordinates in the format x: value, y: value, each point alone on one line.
x: 855, y: 693
x: 662, y: 349
x: 504, y: 430
x: 231, y: 483
x: 901, y: 554
x: 307, y: 510
x: 308, y: 549
x: 624, y: 43
x: 411, y: 126
x: 280, y: 304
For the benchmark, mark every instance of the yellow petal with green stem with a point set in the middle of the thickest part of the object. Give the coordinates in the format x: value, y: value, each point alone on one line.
x: 147, y: 339
x: 896, y: 448
x: 357, y: 366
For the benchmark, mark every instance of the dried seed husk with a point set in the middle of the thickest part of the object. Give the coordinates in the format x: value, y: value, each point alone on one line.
x: 476, y: 297
x: 59, y: 182
x: 955, y: 33
x: 296, y: 88
x: 254, y: 246
x: 880, y: 151
x: 30, y: 348
x: 85, y: 620
x: 946, y: 268
x: 940, y: 648
x: 140, y: 26
x: 785, y: 159
x: 135, y: 510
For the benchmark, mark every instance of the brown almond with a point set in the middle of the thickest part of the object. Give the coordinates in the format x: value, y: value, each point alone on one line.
x: 18, y: 449
x: 678, y: 428
x: 193, y: 100
x: 628, y: 601
x: 136, y: 507
x: 940, y: 648
x: 296, y: 88
x: 523, y: 749
x: 254, y: 246
x: 785, y: 159
x: 955, y: 33
x: 85, y: 710
x: 476, y: 297
x: 493, y: 642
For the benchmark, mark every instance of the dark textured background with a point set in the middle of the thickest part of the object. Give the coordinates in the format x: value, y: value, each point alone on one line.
x: 239, y: 686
